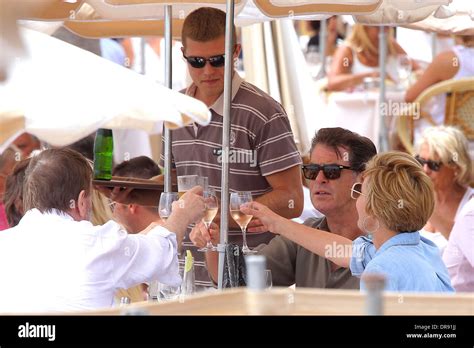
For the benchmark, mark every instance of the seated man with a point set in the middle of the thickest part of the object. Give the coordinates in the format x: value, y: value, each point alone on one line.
x: 338, y: 157
x: 135, y: 217
x: 58, y: 261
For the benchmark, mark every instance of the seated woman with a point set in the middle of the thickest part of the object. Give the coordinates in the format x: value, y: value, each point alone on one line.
x: 394, y: 201
x: 358, y: 58
x: 458, y: 255
x: 443, y: 153
x: 454, y: 64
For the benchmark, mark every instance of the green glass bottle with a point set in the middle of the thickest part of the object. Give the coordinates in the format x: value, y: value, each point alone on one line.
x: 103, y: 154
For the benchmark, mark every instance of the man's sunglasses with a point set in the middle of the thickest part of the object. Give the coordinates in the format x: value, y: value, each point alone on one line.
x: 433, y: 165
x: 200, y: 62
x: 330, y: 171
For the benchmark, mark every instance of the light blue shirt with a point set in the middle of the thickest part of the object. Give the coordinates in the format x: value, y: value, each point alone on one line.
x: 409, y: 262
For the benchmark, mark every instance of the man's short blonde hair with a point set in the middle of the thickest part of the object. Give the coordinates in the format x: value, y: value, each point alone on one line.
x: 204, y: 24
x: 451, y: 146
x: 399, y: 193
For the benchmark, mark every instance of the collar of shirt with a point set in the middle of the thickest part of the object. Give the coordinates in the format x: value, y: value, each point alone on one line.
x: 34, y: 213
x: 218, y: 105
x: 405, y: 238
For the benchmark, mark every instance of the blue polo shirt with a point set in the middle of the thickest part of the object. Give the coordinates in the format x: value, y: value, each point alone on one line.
x: 409, y: 262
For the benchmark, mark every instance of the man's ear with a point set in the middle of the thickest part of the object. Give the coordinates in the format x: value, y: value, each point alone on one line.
x: 237, y: 50
x: 82, y: 206
x: 132, y: 208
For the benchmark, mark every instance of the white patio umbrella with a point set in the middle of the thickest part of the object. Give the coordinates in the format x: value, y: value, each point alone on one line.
x: 457, y: 18
x: 61, y: 93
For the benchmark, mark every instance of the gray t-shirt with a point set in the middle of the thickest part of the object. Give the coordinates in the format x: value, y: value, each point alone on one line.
x: 291, y: 264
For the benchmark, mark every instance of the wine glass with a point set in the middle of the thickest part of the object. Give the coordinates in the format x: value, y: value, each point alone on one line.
x: 211, y: 207
x: 186, y: 183
x: 166, y: 204
x: 404, y: 68
x: 236, y: 200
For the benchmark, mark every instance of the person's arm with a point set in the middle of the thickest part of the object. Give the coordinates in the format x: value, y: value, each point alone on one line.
x: 340, y: 76
x: 317, y: 241
x: 286, y: 198
x: 443, y: 67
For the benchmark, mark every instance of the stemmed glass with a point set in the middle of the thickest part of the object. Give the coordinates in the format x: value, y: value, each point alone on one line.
x: 236, y: 200
x: 404, y: 68
x: 166, y: 203
x: 211, y: 207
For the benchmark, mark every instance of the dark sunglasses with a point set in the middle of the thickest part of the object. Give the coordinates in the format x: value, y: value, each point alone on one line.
x: 330, y: 171
x: 200, y: 62
x: 433, y: 165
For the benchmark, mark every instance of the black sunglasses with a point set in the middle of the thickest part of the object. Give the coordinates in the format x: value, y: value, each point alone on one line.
x: 200, y: 62
x: 433, y: 165
x: 330, y: 171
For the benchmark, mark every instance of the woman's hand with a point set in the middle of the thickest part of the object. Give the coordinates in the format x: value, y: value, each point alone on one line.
x: 269, y: 221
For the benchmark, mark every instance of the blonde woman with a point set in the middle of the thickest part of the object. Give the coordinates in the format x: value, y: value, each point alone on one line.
x: 394, y: 201
x: 443, y: 153
x: 358, y: 58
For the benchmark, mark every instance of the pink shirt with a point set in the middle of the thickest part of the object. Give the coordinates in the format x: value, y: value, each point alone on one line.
x: 459, y: 253
x: 3, y: 218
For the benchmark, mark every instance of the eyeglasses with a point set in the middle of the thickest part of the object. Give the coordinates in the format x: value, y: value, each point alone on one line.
x: 200, y: 62
x: 433, y: 165
x: 331, y: 171
x: 356, y: 190
x: 111, y: 204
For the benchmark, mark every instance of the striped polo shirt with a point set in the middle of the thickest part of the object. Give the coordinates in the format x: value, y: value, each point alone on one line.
x: 261, y: 144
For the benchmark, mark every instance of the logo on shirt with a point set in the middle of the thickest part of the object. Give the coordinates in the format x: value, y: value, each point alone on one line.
x: 232, y: 138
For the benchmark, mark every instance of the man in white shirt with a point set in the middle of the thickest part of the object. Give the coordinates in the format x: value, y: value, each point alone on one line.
x: 56, y: 260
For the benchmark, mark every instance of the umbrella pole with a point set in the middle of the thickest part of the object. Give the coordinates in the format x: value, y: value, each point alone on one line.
x: 142, y: 55
x: 383, y: 134
x: 229, y: 65
x: 323, y: 36
x: 169, y: 84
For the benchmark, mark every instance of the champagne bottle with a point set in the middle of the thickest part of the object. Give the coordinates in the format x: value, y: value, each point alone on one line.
x: 103, y: 154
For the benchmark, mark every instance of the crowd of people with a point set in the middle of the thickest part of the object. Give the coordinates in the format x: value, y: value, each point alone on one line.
x: 406, y: 216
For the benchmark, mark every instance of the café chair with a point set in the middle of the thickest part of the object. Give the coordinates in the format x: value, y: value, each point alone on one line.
x: 459, y: 110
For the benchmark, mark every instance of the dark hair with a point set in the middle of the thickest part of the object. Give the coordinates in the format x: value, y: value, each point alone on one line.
x: 54, y: 179
x: 204, y: 24
x: 139, y: 167
x: 85, y: 146
x: 361, y: 149
x: 13, y: 197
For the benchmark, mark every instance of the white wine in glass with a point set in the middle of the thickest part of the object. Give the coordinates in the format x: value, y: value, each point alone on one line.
x: 237, y: 199
x: 211, y: 208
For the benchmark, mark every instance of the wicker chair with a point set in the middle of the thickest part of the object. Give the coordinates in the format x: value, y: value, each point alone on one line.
x: 459, y: 110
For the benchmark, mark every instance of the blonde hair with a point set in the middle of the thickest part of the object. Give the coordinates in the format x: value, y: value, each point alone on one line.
x: 399, y: 193
x: 101, y: 211
x: 451, y: 146
x: 360, y: 41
